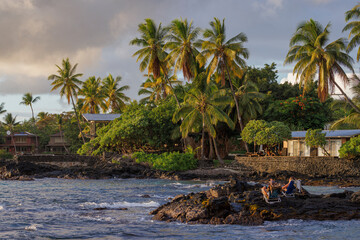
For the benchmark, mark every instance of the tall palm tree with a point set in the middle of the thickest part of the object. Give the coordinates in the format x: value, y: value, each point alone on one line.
x: 94, y: 96
x: 227, y: 57
x: 152, y: 55
x: 182, y: 45
x: 68, y: 82
x: 157, y: 88
x: 9, y: 123
x: 2, y: 108
x: 200, y: 111
x: 312, y: 54
x: 59, y: 120
x: 116, y: 98
x: 354, y: 28
x: 28, y: 100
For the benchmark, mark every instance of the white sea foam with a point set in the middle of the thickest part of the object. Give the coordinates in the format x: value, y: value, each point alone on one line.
x: 119, y: 205
x: 32, y: 227
x: 1, y: 208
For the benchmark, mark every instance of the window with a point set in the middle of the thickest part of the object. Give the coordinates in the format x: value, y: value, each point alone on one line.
x: 20, y: 139
x: 58, y: 140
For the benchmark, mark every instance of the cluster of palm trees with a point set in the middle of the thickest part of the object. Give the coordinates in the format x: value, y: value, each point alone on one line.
x: 94, y: 95
x: 213, y: 64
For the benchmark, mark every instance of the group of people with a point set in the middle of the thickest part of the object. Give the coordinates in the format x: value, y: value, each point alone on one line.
x: 273, y: 189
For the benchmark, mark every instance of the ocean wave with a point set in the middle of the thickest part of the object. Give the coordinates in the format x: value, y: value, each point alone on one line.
x: 116, y: 205
x: 32, y: 227
x: 1, y: 208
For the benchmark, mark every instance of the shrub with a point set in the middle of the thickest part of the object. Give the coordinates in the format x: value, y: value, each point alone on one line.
x: 5, y: 155
x: 351, y: 149
x: 173, y: 161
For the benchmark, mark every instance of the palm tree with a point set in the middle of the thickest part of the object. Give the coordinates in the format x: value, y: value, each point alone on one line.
x: 312, y: 54
x: 182, y: 45
x: 9, y: 123
x: 116, y: 98
x: 69, y: 83
x: 94, y: 96
x: 201, y: 111
x: 354, y: 28
x: 227, y: 57
x: 152, y: 55
x: 28, y: 100
x: 59, y: 119
x: 157, y: 88
x: 2, y: 108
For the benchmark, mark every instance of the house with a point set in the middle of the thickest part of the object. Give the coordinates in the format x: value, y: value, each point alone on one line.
x: 57, y: 143
x: 98, y: 118
x: 334, y: 139
x: 18, y: 143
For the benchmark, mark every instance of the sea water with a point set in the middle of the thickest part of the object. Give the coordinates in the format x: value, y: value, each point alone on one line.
x: 66, y: 209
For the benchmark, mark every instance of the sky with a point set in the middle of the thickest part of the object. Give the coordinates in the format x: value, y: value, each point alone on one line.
x: 95, y: 34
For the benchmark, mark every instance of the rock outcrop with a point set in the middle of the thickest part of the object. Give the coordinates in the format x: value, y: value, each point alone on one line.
x: 240, y: 203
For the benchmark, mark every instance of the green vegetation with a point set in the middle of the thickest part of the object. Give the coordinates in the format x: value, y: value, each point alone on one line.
x: 351, y: 149
x: 5, y: 155
x: 314, y: 138
x: 173, y: 161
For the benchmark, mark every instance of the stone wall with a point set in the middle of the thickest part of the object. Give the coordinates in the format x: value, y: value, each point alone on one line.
x: 312, y: 166
x: 60, y: 160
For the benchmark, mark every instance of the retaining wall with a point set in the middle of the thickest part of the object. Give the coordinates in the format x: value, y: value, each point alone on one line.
x: 60, y: 160
x: 311, y: 166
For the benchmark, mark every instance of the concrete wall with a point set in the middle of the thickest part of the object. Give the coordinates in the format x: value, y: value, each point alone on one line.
x: 305, y: 165
x: 60, y: 160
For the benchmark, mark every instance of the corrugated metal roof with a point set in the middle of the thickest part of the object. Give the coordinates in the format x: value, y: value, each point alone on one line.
x: 330, y: 133
x: 24, y: 134
x: 100, y: 117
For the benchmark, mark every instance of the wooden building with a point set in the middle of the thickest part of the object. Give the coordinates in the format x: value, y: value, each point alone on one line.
x: 334, y: 139
x: 20, y: 143
x: 98, y: 118
x: 57, y: 143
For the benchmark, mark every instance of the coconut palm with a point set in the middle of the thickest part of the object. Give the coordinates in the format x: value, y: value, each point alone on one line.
x: 182, y: 45
x: 152, y: 55
x: 59, y: 120
x: 200, y: 111
x: 116, y: 98
x: 157, y: 88
x: 227, y: 57
x: 93, y: 96
x: 68, y: 82
x: 28, y: 100
x: 9, y: 123
x: 354, y: 27
x: 313, y: 55
x: 2, y: 108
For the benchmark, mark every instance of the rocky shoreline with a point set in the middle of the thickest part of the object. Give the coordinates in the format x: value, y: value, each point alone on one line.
x: 127, y: 168
x: 240, y: 203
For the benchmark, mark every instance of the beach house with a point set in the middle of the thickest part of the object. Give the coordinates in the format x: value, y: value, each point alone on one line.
x: 57, y: 143
x: 20, y: 143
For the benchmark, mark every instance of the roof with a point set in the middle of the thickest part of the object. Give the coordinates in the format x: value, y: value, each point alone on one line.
x: 100, y: 117
x: 58, y: 134
x: 329, y: 133
x: 24, y: 134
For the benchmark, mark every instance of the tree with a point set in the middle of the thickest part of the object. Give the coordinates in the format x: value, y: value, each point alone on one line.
x: 59, y: 119
x: 2, y: 108
x: 116, y: 98
x: 227, y: 57
x: 350, y: 149
x: 68, y: 82
x: 94, y: 96
x: 152, y: 55
x: 28, y: 100
x: 354, y: 28
x: 315, y: 138
x: 182, y: 44
x: 312, y: 54
x: 9, y: 123
x: 201, y: 111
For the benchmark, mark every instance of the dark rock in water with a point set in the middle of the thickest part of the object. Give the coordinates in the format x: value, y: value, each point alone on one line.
x: 237, y: 202
x: 104, y: 208
x: 146, y: 196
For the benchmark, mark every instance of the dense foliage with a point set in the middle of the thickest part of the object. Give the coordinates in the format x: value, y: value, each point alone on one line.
x: 315, y: 138
x: 172, y: 161
x: 140, y: 127
x: 351, y: 149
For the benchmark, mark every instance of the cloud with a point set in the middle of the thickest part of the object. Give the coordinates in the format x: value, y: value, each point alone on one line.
x: 268, y: 7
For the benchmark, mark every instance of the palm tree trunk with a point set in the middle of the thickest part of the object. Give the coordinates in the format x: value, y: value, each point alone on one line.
x: 12, y: 138
x: 203, y: 140
x: 237, y: 106
x: 168, y: 81
x: 62, y: 139
x: 352, y: 104
x: 217, y: 153
x: 211, y: 151
x: 77, y: 118
x: 33, y: 118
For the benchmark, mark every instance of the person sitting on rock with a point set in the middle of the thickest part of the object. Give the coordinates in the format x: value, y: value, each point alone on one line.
x: 289, y: 187
x: 270, y: 191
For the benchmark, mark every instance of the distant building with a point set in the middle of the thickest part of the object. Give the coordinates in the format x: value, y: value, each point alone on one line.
x: 57, y: 143
x: 24, y: 142
x: 98, y: 118
x: 334, y: 139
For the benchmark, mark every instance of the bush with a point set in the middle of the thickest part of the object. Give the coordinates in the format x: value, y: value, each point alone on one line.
x: 174, y: 161
x: 351, y: 149
x: 5, y: 155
